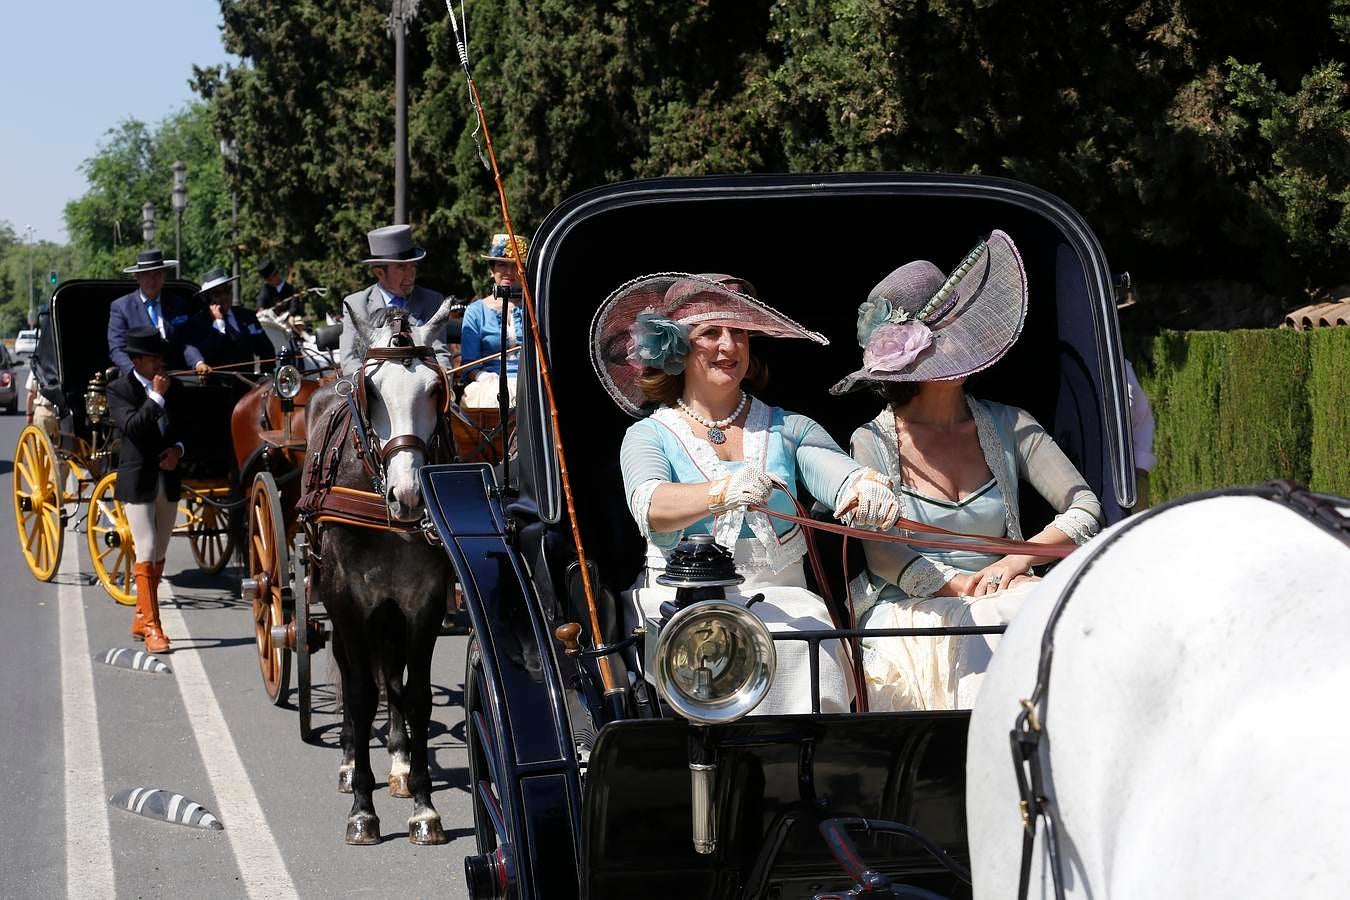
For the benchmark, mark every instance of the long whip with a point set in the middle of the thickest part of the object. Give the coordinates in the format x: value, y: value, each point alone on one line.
x: 607, y: 678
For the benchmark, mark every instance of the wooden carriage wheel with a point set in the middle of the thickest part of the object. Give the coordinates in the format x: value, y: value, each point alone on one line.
x: 491, y: 822
x: 110, y: 546
x: 208, y: 529
x: 37, y: 503
x: 270, y: 573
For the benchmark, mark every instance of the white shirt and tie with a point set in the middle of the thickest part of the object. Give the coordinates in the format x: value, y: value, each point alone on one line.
x: 154, y: 309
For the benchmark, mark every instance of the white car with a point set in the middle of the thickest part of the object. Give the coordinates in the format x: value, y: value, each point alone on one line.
x: 25, y: 344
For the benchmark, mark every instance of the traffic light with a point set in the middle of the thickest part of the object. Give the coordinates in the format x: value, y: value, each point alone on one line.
x: 51, y: 278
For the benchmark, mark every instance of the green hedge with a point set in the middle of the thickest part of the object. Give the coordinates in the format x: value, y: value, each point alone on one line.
x: 1241, y: 407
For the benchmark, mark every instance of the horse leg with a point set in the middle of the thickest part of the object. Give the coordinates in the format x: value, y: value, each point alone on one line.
x: 397, y: 743
x: 361, y: 697
x: 348, y: 765
x: 424, y: 826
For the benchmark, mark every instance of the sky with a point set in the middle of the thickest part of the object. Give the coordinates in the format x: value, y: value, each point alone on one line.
x: 73, y: 70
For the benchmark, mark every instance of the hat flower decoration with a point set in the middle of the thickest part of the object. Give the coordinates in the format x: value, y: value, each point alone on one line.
x: 659, y: 343
x: 917, y: 325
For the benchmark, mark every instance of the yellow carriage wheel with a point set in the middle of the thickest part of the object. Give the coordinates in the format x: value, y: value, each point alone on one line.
x: 269, y: 571
x: 110, y: 546
x: 208, y: 529
x: 37, y: 503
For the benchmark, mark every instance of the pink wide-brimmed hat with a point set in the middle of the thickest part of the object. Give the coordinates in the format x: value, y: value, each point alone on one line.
x: 645, y: 325
x: 917, y: 325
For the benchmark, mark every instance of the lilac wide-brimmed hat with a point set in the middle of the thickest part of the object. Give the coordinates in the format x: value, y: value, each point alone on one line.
x: 645, y: 325
x: 917, y: 325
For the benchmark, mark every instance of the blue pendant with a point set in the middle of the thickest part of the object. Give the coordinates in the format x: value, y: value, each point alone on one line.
x: 717, y: 435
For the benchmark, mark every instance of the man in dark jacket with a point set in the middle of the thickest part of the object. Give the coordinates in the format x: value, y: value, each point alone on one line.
x: 149, y: 306
x: 143, y: 406
x: 222, y: 334
x: 275, y: 290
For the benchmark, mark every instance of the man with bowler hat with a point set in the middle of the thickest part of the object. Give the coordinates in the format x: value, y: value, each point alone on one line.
x: 274, y: 290
x: 222, y: 335
x: 143, y: 405
x: 393, y: 260
x: 147, y: 307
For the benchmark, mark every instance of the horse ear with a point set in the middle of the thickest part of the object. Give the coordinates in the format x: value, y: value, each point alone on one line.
x: 423, y: 332
x: 362, y: 329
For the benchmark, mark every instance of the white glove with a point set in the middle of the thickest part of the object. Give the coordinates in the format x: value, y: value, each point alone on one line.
x: 869, y: 502
x: 485, y: 376
x: 748, y: 486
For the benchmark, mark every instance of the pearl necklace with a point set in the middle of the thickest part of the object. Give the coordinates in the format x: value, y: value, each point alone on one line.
x: 715, y: 433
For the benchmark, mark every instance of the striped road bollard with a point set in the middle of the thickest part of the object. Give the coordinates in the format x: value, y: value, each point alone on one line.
x: 158, y: 803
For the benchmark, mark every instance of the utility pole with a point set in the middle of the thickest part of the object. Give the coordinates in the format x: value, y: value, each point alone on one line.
x: 179, y: 204
x: 400, y: 11
x: 230, y: 152
x: 32, y: 308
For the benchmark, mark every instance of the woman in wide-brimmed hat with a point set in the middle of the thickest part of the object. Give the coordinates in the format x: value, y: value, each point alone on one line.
x: 955, y: 462
x: 482, y: 329
x: 681, y: 344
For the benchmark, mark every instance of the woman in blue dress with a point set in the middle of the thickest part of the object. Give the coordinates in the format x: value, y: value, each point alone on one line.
x: 482, y: 327
x: 956, y: 462
x: 710, y: 449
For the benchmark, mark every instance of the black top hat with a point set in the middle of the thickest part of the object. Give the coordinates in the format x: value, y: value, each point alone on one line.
x: 392, y: 243
x: 267, y: 268
x: 214, y: 279
x: 146, y: 341
x: 150, y: 261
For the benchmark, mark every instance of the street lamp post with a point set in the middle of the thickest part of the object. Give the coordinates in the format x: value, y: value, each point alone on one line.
x: 230, y: 153
x: 32, y: 309
x: 179, y: 204
x: 148, y: 224
x: 400, y: 11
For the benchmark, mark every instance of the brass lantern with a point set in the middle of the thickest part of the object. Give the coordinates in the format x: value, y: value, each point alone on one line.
x: 96, y: 399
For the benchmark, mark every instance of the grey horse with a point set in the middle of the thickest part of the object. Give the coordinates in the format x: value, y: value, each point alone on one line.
x: 385, y: 591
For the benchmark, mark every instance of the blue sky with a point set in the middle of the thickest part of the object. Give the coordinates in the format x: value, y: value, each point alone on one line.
x: 74, y: 69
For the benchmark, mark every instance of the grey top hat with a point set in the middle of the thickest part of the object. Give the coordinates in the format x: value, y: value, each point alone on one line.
x: 391, y: 244
x: 214, y: 279
x: 150, y: 261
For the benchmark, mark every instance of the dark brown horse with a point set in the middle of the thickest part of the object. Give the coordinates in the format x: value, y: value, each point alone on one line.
x: 383, y: 585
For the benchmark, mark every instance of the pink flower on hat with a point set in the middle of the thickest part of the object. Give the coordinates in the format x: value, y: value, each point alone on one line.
x: 893, y: 347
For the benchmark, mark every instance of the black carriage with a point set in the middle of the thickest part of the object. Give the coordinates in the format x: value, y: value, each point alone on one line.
x: 69, y: 482
x: 590, y: 788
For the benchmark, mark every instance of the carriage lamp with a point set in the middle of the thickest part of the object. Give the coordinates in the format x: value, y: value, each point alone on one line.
x: 713, y: 662
x: 288, y: 382
x: 96, y: 399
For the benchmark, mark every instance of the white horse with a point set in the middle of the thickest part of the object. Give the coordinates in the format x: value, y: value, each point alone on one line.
x: 1195, y: 733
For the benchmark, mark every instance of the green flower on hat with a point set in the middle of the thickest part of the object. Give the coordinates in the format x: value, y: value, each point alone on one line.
x: 659, y: 343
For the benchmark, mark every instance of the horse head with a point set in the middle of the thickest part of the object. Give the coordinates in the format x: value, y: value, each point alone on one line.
x: 405, y: 398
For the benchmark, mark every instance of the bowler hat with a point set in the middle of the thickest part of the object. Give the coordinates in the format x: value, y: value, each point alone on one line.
x: 146, y: 341
x: 214, y: 279
x: 267, y: 268
x: 150, y: 261
x: 391, y: 244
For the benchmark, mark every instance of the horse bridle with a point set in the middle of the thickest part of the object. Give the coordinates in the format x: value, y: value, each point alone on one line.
x: 374, y: 453
x: 1030, y: 726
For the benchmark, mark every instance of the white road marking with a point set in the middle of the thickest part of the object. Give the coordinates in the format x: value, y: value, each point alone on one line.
x: 89, y: 863
x: 261, y: 867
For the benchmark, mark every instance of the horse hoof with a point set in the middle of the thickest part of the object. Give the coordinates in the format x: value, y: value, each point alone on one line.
x: 398, y: 786
x: 345, y: 777
x: 427, y: 831
x: 363, y: 830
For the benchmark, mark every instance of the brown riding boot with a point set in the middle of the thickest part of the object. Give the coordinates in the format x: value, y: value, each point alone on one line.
x: 155, y: 641
x: 145, y: 574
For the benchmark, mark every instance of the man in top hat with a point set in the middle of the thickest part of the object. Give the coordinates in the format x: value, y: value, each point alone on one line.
x: 146, y: 307
x: 275, y: 288
x: 393, y: 260
x: 143, y: 405
x: 222, y: 335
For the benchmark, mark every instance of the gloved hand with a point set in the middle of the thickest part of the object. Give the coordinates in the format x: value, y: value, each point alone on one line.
x: 869, y: 502
x: 747, y: 486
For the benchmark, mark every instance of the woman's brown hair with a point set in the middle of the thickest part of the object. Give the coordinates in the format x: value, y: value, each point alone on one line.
x: 660, y: 387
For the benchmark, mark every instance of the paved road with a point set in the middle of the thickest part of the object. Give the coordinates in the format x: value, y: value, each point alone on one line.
x: 73, y: 732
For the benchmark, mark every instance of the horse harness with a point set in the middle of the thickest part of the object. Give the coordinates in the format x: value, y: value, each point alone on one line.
x: 1029, y: 729
x: 325, y: 502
